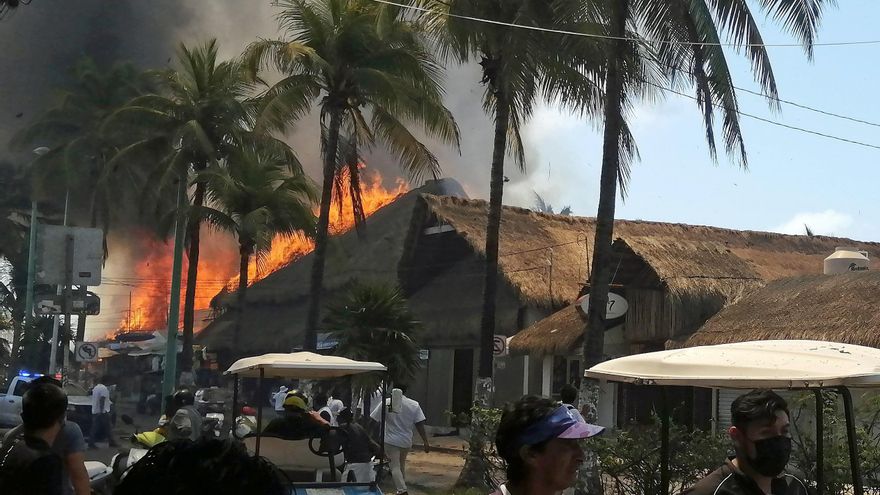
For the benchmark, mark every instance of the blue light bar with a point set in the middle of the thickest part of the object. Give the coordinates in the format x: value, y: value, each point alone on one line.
x: 27, y: 374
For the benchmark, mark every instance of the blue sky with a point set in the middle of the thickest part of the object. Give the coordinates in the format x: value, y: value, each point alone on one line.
x: 793, y: 178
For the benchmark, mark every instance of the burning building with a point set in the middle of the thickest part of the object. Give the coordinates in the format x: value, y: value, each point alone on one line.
x: 151, y: 259
x: 431, y: 242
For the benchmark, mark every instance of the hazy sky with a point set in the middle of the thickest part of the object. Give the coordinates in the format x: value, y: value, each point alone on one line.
x: 793, y: 178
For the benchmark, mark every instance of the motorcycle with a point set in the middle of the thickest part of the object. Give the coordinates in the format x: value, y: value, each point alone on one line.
x: 245, y: 424
x: 141, y: 442
x: 99, y: 477
x: 213, y: 424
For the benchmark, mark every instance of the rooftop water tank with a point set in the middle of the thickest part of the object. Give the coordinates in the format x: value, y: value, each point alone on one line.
x: 846, y: 260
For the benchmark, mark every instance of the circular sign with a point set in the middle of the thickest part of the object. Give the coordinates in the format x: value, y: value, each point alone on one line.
x: 86, y: 352
x: 499, y: 345
x: 617, y: 306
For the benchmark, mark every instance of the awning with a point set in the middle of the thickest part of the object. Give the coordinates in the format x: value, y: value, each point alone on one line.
x: 779, y: 364
x: 305, y: 365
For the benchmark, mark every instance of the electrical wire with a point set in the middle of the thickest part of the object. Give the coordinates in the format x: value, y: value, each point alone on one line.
x: 619, y: 38
x: 806, y: 107
x: 768, y: 121
x: 648, y: 41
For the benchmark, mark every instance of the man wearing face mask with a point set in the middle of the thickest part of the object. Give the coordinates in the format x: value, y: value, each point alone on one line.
x: 762, y: 441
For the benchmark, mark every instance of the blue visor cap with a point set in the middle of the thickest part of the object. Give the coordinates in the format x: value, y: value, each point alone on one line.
x: 559, y: 424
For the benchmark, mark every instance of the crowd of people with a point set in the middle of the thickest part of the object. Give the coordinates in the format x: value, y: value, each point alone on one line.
x: 539, y: 440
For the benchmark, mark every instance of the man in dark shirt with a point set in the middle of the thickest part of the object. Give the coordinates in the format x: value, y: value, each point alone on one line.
x: 359, y: 448
x: 762, y: 441
x: 70, y: 445
x: 297, y: 422
x: 27, y: 464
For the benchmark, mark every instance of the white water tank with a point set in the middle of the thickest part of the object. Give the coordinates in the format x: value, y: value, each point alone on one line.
x: 846, y: 260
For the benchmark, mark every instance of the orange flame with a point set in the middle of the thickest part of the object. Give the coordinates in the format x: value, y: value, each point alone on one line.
x: 219, y: 260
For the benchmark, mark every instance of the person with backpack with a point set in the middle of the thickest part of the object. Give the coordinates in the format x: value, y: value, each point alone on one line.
x: 28, y: 465
x: 70, y: 445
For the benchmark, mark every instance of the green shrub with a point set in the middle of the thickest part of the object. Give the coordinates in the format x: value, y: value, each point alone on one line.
x: 629, y: 459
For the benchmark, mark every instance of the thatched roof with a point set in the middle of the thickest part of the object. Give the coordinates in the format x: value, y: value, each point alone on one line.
x: 685, y: 259
x: 277, y: 304
x: 556, y: 334
x: 839, y: 308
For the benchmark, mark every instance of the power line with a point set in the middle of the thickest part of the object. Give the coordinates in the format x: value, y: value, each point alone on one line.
x: 806, y: 107
x: 619, y: 38
x: 769, y: 121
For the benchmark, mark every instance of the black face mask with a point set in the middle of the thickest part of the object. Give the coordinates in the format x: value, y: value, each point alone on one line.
x: 771, y: 456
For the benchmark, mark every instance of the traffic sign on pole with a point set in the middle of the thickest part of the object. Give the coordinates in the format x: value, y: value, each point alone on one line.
x: 86, y: 352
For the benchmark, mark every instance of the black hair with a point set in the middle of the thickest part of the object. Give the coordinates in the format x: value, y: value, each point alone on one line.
x: 46, y: 379
x: 757, y: 405
x: 514, y: 421
x: 43, y: 405
x: 219, y: 467
x: 320, y: 401
x: 568, y: 394
x: 345, y: 416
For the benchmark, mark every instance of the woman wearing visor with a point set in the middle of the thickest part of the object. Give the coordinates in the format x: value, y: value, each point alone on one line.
x: 538, y: 440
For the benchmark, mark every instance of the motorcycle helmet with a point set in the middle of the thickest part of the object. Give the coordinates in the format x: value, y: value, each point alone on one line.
x: 296, y: 400
x: 184, y: 397
x: 248, y: 411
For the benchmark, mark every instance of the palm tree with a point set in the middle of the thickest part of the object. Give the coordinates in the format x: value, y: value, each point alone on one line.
x: 193, y: 122
x: 694, y: 55
x: 372, y: 75
x: 257, y: 197
x: 373, y: 323
x: 519, y: 67
x: 80, y: 148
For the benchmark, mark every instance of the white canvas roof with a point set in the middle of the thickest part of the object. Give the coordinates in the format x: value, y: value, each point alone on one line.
x: 779, y: 364
x: 306, y: 365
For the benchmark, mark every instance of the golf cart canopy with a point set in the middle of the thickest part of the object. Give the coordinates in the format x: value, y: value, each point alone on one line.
x: 304, y: 365
x: 779, y: 364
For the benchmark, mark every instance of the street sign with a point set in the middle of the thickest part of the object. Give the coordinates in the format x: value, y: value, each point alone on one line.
x: 86, y: 352
x: 88, y: 255
x: 499, y: 345
x: 617, y: 306
x: 53, y: 304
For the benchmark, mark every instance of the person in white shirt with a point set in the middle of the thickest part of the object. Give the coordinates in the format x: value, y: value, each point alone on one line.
x: 101, y: 428
x: 279, y: 397
x: 336, y: 406
x: 402, y: 414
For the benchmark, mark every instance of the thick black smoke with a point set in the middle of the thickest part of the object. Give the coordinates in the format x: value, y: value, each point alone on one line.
x: 40, y: 43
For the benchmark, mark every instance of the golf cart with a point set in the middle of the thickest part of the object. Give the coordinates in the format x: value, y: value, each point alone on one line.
x: 773, y: 364
x: 312, y: 455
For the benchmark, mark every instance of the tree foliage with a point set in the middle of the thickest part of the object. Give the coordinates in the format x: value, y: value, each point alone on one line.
x: 373, y: 323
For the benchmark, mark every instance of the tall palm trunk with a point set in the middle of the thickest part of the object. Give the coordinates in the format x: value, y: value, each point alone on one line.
x: 475, y: 469
x: 594, y: 341
x: 490, y: 287
x: 321, y: 235
x: 245, y: 252
x: 192, y: 273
